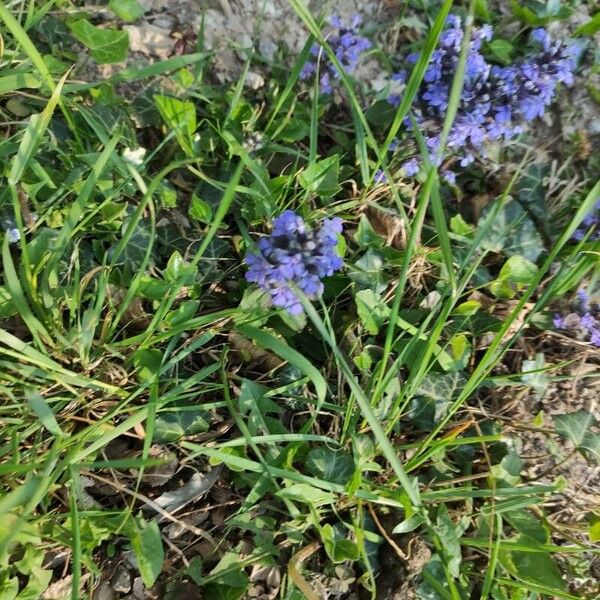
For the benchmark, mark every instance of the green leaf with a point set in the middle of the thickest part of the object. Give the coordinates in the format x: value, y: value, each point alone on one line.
x: 330, y: 465
x: 228, y: 571
x: 527, y: 524
x: 502, y: 50
x: 535, y: 12
x: 460, y: 350
x: 337, y: 546
x: 321, y: 177
x: 591, y: 27
x: 268, y: 341
x: 186, y: 420
x: 7, y: 307
x: 459, y: 226
x: 372, y: 310
x: 17, y: 81
x: 365, y: 234
x: 179, y: 116
x: 44, y: 413
x: 200, y: 210
x: 220, y: 591
x: 106, y: 45
x: 516, y: 274
x: 128, y: 10
x: 147, y: 363
x: 539, y: 380
x: 146, y: 544
x: 303, y: 492
x: 178, y: 269
x: 594, y: 527
x: 513, y: 233
x: 167, y: 194
x: 581, y: 428
x: 255, y: 306
x: 482, y: 10
x: 467, y: 309
x: 33, y: 136
x: 536, y: 567
x: 409, y: 524
x: 449, y: 534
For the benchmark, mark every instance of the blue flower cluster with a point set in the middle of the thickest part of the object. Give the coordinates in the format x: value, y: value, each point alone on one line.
x: 347, y: 45
x: 495, y: 100
x: 584, y: 320
x: 294, y: 253
x: 590, y: 224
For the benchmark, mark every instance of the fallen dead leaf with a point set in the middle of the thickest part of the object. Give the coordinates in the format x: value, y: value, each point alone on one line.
x: 388, y: 225
x: 252, y: 353
x: 198, y: 485
x: 61, y: 589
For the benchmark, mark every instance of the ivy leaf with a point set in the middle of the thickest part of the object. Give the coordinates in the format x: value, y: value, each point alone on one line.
x: 433, y: 397
x: 106, y: 45
x: 134, y: 252
x: 257, y: 407
x: 332, y: 466
x: 186, y: 420
x: 513, y: 233
x: 128, y: 10
x: 372, y: 310
x: 581, y: 428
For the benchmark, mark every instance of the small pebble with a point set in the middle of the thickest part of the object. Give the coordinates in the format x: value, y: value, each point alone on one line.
x: 121, y: 580
x: 104, y: 592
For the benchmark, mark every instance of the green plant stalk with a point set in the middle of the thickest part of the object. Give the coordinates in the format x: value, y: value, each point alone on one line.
x: 495, y: 351
x: 388, y: 450
x: 220, y: 214
x: 36, y: 58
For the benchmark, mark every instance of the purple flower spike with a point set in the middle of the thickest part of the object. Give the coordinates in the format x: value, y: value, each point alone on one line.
x: 379, y: 176
x: 294, y: 253
x: 411, y: 167
x: 347, y: 45
x: 494, y: 100
x: 590, y: 225
x: 583, y: 320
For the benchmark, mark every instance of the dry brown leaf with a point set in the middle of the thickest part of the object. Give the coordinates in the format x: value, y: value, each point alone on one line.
x: 388, y: 225
x: 252, y: 353
x: 61, y: 589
